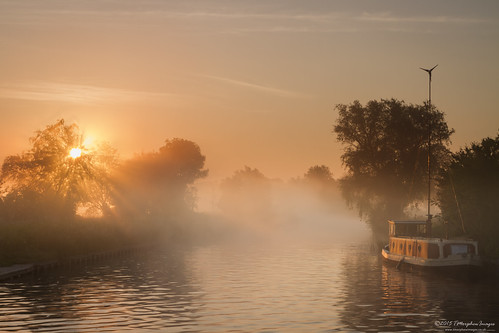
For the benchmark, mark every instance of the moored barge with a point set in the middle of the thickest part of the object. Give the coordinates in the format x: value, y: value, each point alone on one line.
x: 410, y: 244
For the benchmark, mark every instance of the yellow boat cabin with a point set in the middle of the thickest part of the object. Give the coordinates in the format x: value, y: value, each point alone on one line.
x: 409, y: 243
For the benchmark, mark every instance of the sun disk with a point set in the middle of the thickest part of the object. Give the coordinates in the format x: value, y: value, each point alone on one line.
x: 75, y: 152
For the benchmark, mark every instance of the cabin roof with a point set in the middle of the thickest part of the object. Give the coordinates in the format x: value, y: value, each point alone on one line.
x: 411, y: 222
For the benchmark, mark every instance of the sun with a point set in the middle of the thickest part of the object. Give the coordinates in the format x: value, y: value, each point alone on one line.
x: 75, y: 152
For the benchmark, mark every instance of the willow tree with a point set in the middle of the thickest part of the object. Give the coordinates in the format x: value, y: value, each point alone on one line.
x: 385, y: 154
x: 59, y: 172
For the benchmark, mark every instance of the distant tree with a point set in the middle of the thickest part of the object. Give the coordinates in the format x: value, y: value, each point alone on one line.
x: 160, y: 183
x: 319, y: 173
x: 319, y: 179
x: 246, y: 196
x: 386, y: 145
x: 468, y: 194
x: 59, y: 166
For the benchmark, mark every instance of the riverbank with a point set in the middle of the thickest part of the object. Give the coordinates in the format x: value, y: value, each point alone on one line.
x: 25, y: 250
x: 21, y: 270
x: 49, y: 241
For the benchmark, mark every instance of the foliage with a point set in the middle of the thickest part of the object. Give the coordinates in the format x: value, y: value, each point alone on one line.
x: 319, y: 173
x: 386, y: 146
x: 58, y: 240
x: 153, y: 185
x: 43, y: 189
x: 468, y: 194
x: 319, y: 179
x: 47, y: 170
x: 246, y: 196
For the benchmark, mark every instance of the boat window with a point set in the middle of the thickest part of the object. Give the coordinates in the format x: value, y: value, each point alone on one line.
x: 421, y: 232
x: 458, y: 249
x: 433, y: 251
x: 407, y: 229
x: 410, y: 247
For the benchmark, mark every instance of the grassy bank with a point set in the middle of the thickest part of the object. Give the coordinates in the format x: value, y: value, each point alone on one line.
x: 40, y: 241
x: 37, y: 242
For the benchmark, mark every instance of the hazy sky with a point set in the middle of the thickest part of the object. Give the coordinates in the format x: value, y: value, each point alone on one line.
x: 252, y: 82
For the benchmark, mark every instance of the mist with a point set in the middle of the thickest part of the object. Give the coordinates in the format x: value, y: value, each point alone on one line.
x: 248, y: 206
x: 161, y: 197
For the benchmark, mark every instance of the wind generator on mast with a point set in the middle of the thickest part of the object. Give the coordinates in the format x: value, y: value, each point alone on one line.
x: 428, y: 221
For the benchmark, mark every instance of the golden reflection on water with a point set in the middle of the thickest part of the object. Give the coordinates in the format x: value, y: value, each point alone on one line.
x: 268, y: 287
x: 252, y: 287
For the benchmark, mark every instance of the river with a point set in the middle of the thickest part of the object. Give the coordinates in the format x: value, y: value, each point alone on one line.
x: 249, y: 286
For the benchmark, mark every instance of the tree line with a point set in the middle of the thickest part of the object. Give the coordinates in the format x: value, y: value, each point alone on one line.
x: 65, y: 196
x: 49, y: 193
x: 386, y: 157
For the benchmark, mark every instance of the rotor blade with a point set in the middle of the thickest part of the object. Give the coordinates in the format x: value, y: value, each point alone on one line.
x: 433, y: 67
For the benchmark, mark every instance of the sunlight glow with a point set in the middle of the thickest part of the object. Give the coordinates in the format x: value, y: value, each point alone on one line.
x: 88, y: 140
x: 75, y: 152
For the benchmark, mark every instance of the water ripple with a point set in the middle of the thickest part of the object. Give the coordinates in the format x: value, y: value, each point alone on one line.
x: 320, y: 288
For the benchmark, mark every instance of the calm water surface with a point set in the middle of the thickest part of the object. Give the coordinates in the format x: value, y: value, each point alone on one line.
x: 255, y: 286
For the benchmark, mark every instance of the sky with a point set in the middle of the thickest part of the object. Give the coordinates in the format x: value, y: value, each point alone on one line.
x: 253, y: 83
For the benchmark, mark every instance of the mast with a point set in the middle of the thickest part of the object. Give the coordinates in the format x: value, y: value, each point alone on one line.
x: 428, y: 221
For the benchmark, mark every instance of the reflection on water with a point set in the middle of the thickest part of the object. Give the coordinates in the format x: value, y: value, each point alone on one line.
x: 252, y: 287
x: 131, y: 294
x: 380, y: 297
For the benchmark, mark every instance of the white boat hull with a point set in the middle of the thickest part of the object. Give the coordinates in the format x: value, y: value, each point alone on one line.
x: 450, y: 261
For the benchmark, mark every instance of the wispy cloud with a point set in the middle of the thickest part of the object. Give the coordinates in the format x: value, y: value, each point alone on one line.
x: 235, y: 18
x: 258, y: 87
x: 73, y: 93
x: 388, y: 17
x: 36, y: 13
x: 304, y: 17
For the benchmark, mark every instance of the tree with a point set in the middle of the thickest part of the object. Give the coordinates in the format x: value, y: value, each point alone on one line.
x: 246, y: 197
x: 386, y: 145
x: 319, y: 173
x: 319, y: 179
x: 59, y: 165
x: 468, y: 194
x: 159, y: 183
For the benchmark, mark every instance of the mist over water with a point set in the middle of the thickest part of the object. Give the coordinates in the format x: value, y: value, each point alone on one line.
x: 244, y: 285
x: 303, y: 263
x: 100, y: 102
x: 258, y: 254
x: 293, y: 211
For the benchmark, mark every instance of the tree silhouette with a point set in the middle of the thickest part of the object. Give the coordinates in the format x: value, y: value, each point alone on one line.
x: 468, y: 194
x: 319, y: 173
x: 158, y: 184
x: 48, y: 170
x: 386, y: 146
x: 246, y: 197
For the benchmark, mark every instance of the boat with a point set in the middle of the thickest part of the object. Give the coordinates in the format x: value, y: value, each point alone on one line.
x: 411, y: 242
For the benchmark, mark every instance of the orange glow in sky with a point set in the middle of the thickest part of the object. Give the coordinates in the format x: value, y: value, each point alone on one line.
x: 252, y: 83
x: 89, y: 140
